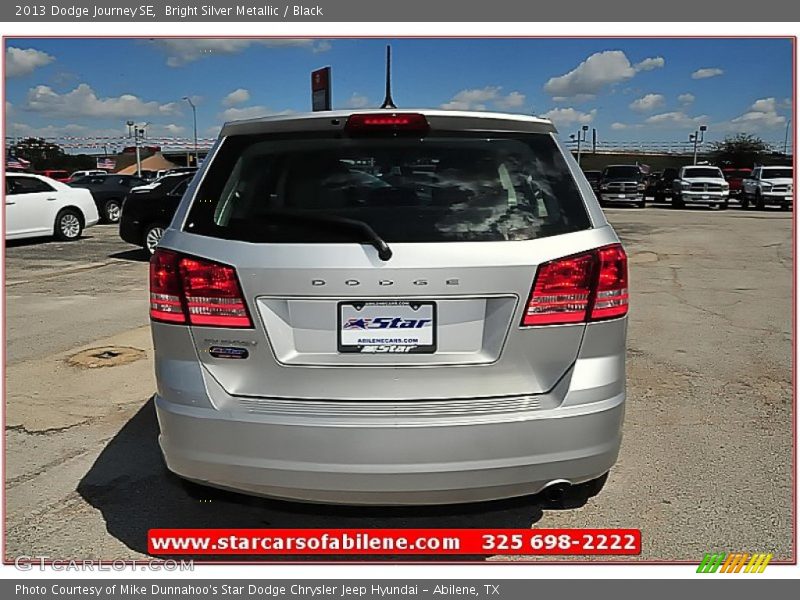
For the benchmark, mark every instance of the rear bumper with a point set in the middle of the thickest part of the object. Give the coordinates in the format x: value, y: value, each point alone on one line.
x: 370, y: 458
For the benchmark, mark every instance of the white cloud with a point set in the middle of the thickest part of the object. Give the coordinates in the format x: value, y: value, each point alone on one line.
x: 675, y: 119
x: 481, y: 98
x: 647, y: 103
x: 250, y: 112
x: 511, y: 101
x: 707, y: 72
x: 357, y: 101
x: 21, y: 62
x: 600, y: 70
x: 617, y: 126
x: 238, y: 96
x: 84, y: 102
x: 686, y: 98
x: 570, y: 116
x: 19, y: 129
x: 183, y: 51
x: 648, y: 64
x: 761, y: 115
x: 170, y: 129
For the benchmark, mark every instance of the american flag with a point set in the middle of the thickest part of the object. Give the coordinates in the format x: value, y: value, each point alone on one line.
x: 106, y: 163
x: 13, y: 162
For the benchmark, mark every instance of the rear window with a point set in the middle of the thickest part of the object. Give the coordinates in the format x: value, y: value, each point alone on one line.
x: 443, y: 187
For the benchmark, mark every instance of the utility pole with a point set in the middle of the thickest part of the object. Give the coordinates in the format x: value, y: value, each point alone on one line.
x: 581, y: 138
x: 138, y: 131
x: 194, y: 122
x: 698, y: 137
x: 786, y: 139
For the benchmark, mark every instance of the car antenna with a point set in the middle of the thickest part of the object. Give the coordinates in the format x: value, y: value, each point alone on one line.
x: 387, y: 101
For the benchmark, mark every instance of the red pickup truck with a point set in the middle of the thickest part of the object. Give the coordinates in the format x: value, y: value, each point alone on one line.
x: 734, y: 178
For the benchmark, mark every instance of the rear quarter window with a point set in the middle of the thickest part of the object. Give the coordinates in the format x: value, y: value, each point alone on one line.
x: 440, y: 188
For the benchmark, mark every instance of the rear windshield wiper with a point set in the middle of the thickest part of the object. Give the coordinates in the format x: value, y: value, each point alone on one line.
x: 369, y: 234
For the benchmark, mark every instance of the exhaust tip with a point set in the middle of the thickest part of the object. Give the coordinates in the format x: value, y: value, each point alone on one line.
x: 556, y: 491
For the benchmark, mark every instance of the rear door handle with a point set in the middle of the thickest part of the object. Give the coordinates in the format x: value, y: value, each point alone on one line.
x: 52, y: 199
x: 9, y: 203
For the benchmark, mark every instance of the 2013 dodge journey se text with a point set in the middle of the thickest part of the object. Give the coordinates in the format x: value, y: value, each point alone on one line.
x: 390, y: 307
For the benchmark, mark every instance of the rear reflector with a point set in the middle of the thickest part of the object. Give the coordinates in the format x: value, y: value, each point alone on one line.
x: 196, y: 291
x: 389, y: 122
x: 586, y: 287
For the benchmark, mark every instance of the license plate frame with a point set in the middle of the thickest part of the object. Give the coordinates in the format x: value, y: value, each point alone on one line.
x: 403, y: 309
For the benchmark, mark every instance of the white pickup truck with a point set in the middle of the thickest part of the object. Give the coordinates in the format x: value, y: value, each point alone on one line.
x: 700, y: 184
x: 768, y: 185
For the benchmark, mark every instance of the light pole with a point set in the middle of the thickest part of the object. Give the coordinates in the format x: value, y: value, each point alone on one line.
x: 194, y: 122
x: 581, y: 138
x: 697, y: 137
x: 786, y: 138
x: 138, y: 132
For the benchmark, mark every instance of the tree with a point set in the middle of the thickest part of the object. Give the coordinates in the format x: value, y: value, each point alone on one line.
x: 740, y: 150
x: 47, y: 155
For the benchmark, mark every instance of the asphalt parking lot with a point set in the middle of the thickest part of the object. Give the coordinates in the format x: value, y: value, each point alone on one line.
x: 706, y: 458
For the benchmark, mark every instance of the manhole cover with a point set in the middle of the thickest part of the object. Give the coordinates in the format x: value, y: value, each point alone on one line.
x: 107, y: 356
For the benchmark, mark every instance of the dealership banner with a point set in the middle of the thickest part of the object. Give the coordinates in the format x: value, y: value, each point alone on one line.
x: 405, y: 11
x: 363, y: 589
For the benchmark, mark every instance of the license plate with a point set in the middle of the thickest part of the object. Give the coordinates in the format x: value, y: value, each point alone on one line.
x: 621, y: 196
x: 704, y: 197
x: 387, y: 327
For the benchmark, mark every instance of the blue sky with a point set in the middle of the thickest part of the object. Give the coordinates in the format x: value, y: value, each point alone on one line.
x: 629, y: 89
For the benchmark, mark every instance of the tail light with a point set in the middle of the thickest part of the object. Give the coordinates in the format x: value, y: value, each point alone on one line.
x: 195, y: 291
x: 389, y: 122
x: 591, y: 286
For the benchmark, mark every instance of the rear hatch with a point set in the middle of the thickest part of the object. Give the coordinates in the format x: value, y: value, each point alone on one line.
x: 384, y: 258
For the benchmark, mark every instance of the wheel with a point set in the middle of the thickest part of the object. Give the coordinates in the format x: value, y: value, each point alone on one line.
x: 759, y: 201
x: 745, y: 201
x: 112, y: 210
x: 642, y: 203
x: 786, y: 206
x: 724, y: 205
x: 677, y: 201
x: 68, y: 226
x: 152, y: 235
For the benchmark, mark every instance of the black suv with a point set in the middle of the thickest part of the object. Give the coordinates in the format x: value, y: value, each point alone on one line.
x: 148, y: 212
x: 662, y: 187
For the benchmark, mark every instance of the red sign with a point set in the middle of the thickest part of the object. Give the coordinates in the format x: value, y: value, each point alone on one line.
x: 321, y: 89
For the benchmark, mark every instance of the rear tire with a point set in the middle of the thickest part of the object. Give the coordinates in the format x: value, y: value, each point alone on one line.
x: 152, y: 235
x: 112, y: 210
x: 68, y: 226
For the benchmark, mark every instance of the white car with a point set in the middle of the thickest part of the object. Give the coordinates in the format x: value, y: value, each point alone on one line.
x: 39, y: 206
x: 700, y: 184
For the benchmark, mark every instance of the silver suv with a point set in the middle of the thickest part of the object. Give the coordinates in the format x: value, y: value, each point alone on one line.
x: 383, y: 307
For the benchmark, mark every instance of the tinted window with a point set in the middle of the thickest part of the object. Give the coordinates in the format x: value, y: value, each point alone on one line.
x: 27, y: 185
x: 776, y: 173
x: 179, y: 189
x: 439, y: 188
x: 622, y: 172
x: 702, y: 172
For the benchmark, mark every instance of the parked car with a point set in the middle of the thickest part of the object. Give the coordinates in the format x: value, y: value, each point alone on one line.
x: 622, y: 183
x: 768, y: 186
x: 78, y: 174
x: 182, y: 170
x: 700, y: 185
x: 735, y: 177
x: 108, y: 192
x: 348, y: 316
x: 39, y: 206
x: 148, y: 210
x: 594, y: 177
x: 650, y: 181
x: 662, y: 187
x: 57, y: 174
